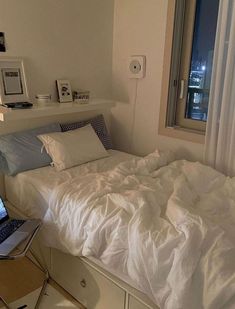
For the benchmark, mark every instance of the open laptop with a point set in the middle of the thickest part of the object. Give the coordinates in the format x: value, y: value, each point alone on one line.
x: 13, y: 231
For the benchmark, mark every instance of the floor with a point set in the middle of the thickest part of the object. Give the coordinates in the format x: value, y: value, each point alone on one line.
x: 20, y: 284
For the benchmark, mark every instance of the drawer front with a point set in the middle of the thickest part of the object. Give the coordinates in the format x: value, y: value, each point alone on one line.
x: 136, y: 304
x: 84, y: 283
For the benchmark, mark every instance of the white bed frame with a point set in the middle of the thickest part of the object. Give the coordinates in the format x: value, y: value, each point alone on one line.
x: 85, y: 280
x: 88, y: 282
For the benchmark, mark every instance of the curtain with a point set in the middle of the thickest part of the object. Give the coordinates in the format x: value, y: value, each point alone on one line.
x: 220, y: 132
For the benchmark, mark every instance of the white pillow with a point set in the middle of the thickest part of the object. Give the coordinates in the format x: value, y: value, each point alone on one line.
x: 74, y: 147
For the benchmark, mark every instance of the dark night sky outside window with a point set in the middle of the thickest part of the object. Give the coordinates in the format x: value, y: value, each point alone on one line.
x: 201, y: 60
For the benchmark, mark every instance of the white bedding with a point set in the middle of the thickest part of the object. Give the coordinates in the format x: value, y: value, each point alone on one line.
x: 169, y: 225
x: 30, y: 191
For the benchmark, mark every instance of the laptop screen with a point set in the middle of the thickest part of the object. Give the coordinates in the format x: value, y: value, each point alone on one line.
x: 3, y: 211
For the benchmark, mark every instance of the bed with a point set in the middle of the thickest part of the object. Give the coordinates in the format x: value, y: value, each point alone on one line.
x: 123, y: 231
x: 164, y: 227
x: 28, y: 194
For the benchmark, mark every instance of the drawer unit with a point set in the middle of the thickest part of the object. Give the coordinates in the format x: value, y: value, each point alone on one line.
x: 136, y: 304
x: 84, y: 283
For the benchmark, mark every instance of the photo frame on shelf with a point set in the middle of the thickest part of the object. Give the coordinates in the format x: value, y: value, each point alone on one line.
x: 13, y: 87
x: 64, y: 90
x: 2, y: 42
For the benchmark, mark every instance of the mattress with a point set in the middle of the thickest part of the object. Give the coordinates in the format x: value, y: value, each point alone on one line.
x: 157, y: 220
x: 30, y: 191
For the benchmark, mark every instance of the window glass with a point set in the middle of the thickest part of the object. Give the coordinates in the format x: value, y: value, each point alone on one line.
x: 201, y: 59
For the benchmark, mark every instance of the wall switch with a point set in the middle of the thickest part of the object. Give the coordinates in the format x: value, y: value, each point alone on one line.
x: 137, y: 66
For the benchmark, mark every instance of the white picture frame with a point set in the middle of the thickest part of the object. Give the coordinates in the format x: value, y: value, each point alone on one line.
x: 13, y: 87
x: 64, y: 91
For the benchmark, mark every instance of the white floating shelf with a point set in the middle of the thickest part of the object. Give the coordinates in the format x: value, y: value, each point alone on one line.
x: 53, y: 108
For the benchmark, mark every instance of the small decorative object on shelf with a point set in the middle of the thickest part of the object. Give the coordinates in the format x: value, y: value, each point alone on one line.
x: 43, y: 98
x: 64, y: 90
x: 2, y: 42
x: 18, y: 105
x: 81, y: 96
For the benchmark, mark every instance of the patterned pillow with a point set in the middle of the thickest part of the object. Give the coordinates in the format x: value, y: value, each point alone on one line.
x: 97, y: 123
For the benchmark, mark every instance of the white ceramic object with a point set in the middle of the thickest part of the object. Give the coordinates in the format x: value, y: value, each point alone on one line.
x: 43, y: 98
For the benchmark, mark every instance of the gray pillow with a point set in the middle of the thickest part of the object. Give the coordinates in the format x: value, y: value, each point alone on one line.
x: 3, y: 165
x: 21, y: 151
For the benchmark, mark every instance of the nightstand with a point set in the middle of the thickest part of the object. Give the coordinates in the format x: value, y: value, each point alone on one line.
x: 14, y: 273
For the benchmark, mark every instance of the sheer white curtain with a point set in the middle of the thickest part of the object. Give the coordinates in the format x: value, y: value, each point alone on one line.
x: 220, y: 133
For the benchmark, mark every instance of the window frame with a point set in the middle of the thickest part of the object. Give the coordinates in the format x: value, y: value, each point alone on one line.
x: 168, y: 124
x: 186, y: 52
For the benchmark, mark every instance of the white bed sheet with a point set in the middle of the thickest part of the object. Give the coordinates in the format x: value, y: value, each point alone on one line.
x: 169, y: 225
x: 29, y: 191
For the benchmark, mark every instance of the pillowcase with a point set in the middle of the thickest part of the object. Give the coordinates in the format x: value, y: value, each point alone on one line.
x: 97, y: 123
x: 74, y: 147
x: 21, y: 151
x: 3, y: 164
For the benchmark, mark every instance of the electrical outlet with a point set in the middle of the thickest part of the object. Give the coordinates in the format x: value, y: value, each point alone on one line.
x: 137, y: 66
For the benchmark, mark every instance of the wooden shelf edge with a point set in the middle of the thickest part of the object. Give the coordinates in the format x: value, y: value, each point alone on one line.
x: 53, y: 108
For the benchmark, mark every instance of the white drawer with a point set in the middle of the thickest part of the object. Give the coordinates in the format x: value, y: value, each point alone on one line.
x: 84, y: 283
x: 136, y: 304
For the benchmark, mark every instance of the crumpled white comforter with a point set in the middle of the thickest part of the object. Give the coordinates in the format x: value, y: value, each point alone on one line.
x: 169, y: 225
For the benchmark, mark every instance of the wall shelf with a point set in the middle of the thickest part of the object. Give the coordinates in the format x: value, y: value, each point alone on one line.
x: 53, y: 108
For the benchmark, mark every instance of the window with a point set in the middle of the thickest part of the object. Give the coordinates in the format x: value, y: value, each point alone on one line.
x: 189, y: 77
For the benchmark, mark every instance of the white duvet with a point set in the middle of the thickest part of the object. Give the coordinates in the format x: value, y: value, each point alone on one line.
x: 169, y: 225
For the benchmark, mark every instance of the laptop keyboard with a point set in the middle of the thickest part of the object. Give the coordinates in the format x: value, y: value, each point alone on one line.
x: 9, y: 227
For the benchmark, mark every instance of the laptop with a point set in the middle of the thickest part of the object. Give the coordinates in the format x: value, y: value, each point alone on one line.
x: 14, y: 231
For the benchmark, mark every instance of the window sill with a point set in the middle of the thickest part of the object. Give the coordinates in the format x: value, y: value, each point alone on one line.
x: 184, y: 134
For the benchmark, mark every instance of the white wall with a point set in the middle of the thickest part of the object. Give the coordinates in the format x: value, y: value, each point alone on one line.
x: 139, y: 29
x: 69, y: 39
x: 74, y: 40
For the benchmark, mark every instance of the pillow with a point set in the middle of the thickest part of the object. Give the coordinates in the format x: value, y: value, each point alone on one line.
x: 3, y: 164
x: 74, y: 147
x: 21, y: 151
x: 98, y: 124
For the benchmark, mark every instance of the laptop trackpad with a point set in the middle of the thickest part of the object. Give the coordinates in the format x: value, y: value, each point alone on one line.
x: 11, y: 242
x: 16, y: 238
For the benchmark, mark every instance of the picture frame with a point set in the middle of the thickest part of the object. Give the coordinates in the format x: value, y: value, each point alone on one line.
x: 13, y: 87
x: 81, y: 96
x: 64, y: 90
x: 2, y: 42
